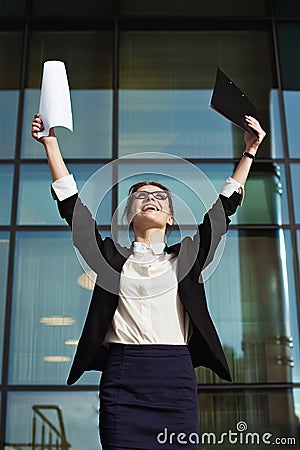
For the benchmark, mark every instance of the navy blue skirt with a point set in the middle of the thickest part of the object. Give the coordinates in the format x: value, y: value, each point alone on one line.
x: 148, y: 398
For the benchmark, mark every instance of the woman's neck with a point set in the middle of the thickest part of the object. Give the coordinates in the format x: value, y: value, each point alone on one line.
x: 153, y: 236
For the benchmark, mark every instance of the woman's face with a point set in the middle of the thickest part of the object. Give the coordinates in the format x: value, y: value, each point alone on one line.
x: 150, y: 208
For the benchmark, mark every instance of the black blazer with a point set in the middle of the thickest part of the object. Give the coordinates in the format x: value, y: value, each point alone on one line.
x: 107, y: 258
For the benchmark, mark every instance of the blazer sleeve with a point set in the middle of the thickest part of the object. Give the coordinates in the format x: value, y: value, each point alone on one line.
x: 85, y: 234
x: 214, y: 226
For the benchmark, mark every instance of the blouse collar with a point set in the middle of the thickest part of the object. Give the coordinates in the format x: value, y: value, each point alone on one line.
x: 142, y: 247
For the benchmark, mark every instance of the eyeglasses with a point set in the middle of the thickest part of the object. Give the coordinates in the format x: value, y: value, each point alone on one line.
x: 159, y: 195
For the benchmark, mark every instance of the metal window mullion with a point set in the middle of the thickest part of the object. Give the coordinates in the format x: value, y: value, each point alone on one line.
x: 9, y: 290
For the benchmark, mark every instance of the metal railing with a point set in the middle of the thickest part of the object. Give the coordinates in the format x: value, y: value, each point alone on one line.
x: 44, y: 434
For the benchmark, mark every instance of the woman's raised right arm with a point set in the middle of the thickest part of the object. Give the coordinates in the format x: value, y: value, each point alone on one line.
x: 56, y: 163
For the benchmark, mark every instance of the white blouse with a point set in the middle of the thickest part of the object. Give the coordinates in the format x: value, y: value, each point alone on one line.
x: 149, y: 309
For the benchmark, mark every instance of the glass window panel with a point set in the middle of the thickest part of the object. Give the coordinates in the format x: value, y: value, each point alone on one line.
x: 36, y: 205
x: 10, y: 44
x: 258, y: 321
x: 190, y: 186
x: 193, y: 7
x: 71, y: 8
x: 295, y: 173
x: 81, y: 429
x: 6, y: 187
x: 50, y: 302
x: 289, y: 53
x: 287, y: 9
x: 266, y: 415
x: 298, y: 245
x: 4, y: 249
x: 164, y: 94
x: 15, y: 8
x: 88, y: 60
x: 292, y: 111
x: 262, y: 411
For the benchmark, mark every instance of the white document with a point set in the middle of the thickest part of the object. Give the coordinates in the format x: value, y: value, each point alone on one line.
x: 55, y: 102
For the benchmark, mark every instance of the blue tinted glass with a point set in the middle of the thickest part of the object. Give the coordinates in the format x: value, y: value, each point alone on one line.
x: 50, y: 301
x: 275, y: 126
x: 4, y: 249
x: 256, y: 318
x: 197, y: 186
x: 87, y: 56
x: 36, y: 205
x: 295, y: 173
x: 81, y: 430
x: 92, y: 125
x: 8, y: 122
x: 292, y: 111
x: 164, y: 95
x: 298, y: 242
x: 6, y: 186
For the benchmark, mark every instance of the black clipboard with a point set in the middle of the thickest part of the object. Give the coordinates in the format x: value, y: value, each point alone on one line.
x: 229, y: 101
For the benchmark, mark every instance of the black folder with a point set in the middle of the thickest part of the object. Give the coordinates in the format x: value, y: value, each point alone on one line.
x: 229, y: 101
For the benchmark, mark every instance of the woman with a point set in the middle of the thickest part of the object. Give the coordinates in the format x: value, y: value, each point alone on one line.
x: 152, y: 327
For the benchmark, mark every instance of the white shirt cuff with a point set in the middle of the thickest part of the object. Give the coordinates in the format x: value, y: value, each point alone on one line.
x: 230, y: 186
x: 65, y: 187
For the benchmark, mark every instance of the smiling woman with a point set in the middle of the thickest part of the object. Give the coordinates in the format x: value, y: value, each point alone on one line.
x: 156, y: 323
x: 143, y: 197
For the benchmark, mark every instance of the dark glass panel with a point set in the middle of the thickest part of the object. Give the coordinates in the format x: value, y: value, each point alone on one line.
x: 193, y: 8
x: 10, y: 74
x: 166, y: 81
x: 12, y: 8
x: 287, y: 9
x: 289, y: 53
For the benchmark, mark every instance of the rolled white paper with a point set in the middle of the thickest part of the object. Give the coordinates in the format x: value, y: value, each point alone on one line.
x: 55, y: 102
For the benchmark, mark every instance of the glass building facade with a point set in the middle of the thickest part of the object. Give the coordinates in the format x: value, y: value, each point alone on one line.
x: 141, y: 75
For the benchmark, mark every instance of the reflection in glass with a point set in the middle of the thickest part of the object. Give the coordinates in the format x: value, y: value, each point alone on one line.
x: 164, y: 95
x: 295, y: 173
x: 252, y: 300
x: 10, y: 44
x: 79, y: 412
x: 265, y: 199
x: 88, y: 60
x: 6, y: 187
x: 261, y: 412
x: 292, y: 111
x: 36, y: 205
x: 50, y: 302
x: 92, y: 118
x: 4, y: 249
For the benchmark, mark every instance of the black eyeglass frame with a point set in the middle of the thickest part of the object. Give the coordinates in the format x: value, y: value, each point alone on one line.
x: 139, y: 195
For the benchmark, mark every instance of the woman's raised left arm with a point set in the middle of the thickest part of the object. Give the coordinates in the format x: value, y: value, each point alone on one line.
x: 252, y: 143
